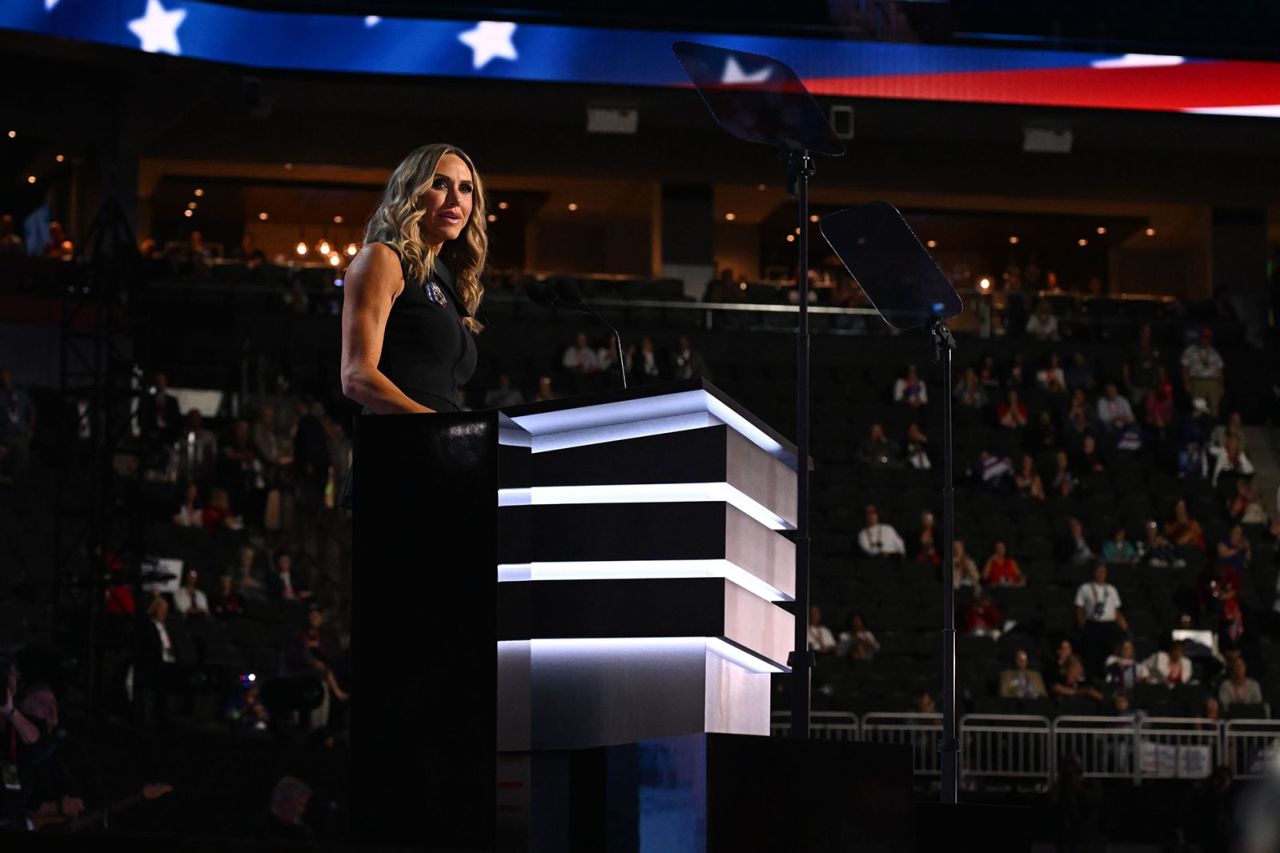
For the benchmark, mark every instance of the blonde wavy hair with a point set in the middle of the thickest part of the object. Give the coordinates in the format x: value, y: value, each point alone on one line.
x: 395, y: 221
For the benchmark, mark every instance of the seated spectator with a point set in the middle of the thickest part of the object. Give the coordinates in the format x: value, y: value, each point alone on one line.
x: 1234, y: 426
x: 1012, y: 413
x: 1021, y: 682
x: 227, y: 603
x: 607, y: 354
x: 282, y: 584
x: 1079, y: 373
x: 1089, y: 459
x: 190, y: 513
x: 1118, y: 549
x: 1182, y: 529
x: 989, y: 375
x: 857, y: 642
x: 820, y: 639
x: 1228, y: 459
x: 1114, y: 411
x: 1158, y: 551
x: 1122, y: 669
x: 981, y: 618
x: 877, y: 539
x: 1079, y: 419
x: 1027, y: 481
x: 992, y: 470
x: 1050, y: 378
x: 971, y: 393
x: 1218, y: 594
x: 1076, y: 549
x: 1239, y: 688
x: 1202, y: 371
x: 926, y: 546
x: 245, y: 708
x: 1042, y: 325
x: 910, y: 390
x: 1099, y: 615
x: 580, y: 359
x: 687, y: 362
x: 1062, y: 653
x: 1016, y: 376
x: 1171, y: 668
x: 1235, y: 551
x: 283, y: 823
x: 643, y: 365
x: 246, y: 576
x: 544, y: 392
x: 315, y: 653
x: 503, y: 395
x: 878, y: 450
x: 1064, y: 481
x: 189, y: 600
x: 1071, y: 682
x: 1157, y: 405
x: 964, y: 571
x: 1046, y: 432
x: 917, y: 448
x: 1001, y: 569
x: 219, y: 514
x: 1245, y: 508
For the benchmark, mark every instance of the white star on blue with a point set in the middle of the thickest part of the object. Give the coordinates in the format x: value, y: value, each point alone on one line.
x: 490, y: 40
x: 158, y: 29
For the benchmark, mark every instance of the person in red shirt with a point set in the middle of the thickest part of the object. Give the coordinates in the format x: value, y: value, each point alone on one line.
x: 1012, y: 413
x: 1002, y: 570
x: 981, y: 616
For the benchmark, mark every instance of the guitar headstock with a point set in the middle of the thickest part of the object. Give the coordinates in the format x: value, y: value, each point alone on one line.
x: 156, y: 790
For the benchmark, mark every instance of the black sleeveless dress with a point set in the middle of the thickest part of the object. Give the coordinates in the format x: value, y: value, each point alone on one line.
x: 426, y: 350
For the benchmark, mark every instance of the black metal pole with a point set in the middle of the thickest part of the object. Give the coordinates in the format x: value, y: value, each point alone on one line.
x: 799, y: 170
x: 948, y: 745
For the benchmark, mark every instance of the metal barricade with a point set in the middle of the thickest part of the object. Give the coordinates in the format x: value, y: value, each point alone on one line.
x: 823, y: 725
x: 1249, y: 744
x: 1178, y: 747
x: 918, y: 731
x: 1013, y: 747
x: 1104, y: 747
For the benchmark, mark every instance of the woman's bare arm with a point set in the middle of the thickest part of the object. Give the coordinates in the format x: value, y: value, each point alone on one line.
x: 372, y: 283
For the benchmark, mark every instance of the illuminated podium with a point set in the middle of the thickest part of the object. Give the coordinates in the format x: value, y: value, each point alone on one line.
x: 636, y: 542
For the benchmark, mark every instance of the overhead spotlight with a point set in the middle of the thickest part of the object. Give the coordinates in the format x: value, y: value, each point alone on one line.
x: 262, y: 217
x: 324, y: 248
x: 335, y: 259
x: 13, y: 134
x: 573, y: 205
x: 984, y: 284
x: 352, y: 248
x: 31, y: 179
x: 1082, y: 242
x: 337, y: 220
x: 813, y: 217
x: 761, y: 187
x: 199, y: 192
x: 502, y: 205
x: 1101, y: 230
x: 301, y: 248
x: 59, y: 158
x: 492, y: 217
x: 1151, y: 232
x: 188, y: 213
x: 729, y: 217
x: 791, y: 238
x: 932, y: 244
x: 1013, y: 240
x: 797, y: 231
x: 191, y: 205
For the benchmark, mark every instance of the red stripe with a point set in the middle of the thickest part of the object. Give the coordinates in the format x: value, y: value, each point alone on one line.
x: 1169, y: 88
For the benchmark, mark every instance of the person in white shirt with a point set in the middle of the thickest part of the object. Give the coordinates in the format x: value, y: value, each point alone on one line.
x: 820, y: 638
x: 581, y: 358
x: 879, y: 540
x: 1202, y: 370
x: 1228, y: 459
x: 1043, y: 325
x: 189, y: 599
x: 857, y: 642
x: 1171, y: 668
x: 910, y: 389
x: 1050, y: 378
x: 1239, y: 688
x: 1114, y: 411
x: 1099, y: 616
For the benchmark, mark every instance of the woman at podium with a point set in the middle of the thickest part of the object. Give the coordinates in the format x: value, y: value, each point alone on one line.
x: 411, y: 294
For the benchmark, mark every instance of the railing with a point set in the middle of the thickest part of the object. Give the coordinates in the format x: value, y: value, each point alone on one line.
x: 1250, y: 745
x: 1023, y: 749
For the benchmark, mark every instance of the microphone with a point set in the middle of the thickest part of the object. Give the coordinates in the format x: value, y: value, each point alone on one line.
x: 565, y: 292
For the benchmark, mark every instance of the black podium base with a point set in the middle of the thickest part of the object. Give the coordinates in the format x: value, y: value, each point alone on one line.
x: 709, y: 793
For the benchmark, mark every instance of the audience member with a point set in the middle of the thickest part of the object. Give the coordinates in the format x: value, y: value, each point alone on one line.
x: 1245, y: 508
x: 190, y: 513
x: 503, y: 394
x: 1202, y: 370
x: 1016, y: 374
x: 1076, y: 548
x: 877, y: 539
x: 821, y: 639
x: 981, y: 617
x: 1228, y: 459
x: 926, y: 542
x: 1143, y: 372
x: 189, y: 600
x: 1122, y: 669
x: 1182, y: 529
x: 687, y: 362
x: 1027, y: 481
x: 1157, y: 405
x: 198, y: 450
x: 993, y: 470
x: 1045, y: 436
x: 1012, y: 413
x: 1071, y: 682
x: 971, y: 393
x: 1234, y: 426
x: 1001, y: 569
x: 1118, y: 549
x: 246, y: 575
x: 283, y: 823
x: 282, y: 584
x: 580, y: 358
x: 1064, y: 480
x: 1099, y: 615
x: 227, y: 602
x: 1089, y: 460
x: 964, y: 571
x: 1157, y: 551
x: 1238, y: 688
x: 857, y: 642
x: 1022, y: 682
x: 544, y: 391
x: 17, y: 427
x: 1042, y: 325
x: 1079, y: 420
x: 1050, y: 378
x: 878, y: 450
x: 1171, y: 668
x: 158, y: 416
x: 917, y: 448
x: 1079, y: 373
x: 1114, y: 411
x: 910, y: 390
x: 643, y: 365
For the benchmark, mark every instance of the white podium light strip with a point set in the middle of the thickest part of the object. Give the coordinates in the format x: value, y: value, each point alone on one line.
x: 649, y: 647
x: 645, y: 493
x: 622, y: 431
x: 640, y: 570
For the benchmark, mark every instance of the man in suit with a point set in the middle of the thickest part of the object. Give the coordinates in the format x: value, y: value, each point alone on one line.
x: 1021, y: 682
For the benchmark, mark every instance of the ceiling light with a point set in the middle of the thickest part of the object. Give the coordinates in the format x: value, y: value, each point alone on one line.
x: 31, y: 179
x: 573, y: 206
x: 337, y: 220
x: 12, y: 134
x: 1013, y: 240
x: 791, y: 238
x: 761, y: 187
x: 932, y: 244
x: 1101, y: 230
x: 502, y: 205
x: 492, y: 217
x: 352, y: 248
x: 301, y: 248
x: 335, y: 259
x: 191, y: 205
x: 324, y: 248
x: 59, y: 158
x: 1082, y: 242
x: 729, y: 217
x: 262, y: 217
x: 199, y: 192
x: 813, y: 217
x: 984, y: 283
x: 1151, y: 232
x: 188, y: 213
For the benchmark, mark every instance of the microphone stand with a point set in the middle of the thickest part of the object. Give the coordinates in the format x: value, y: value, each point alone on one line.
x: 617, y: 338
